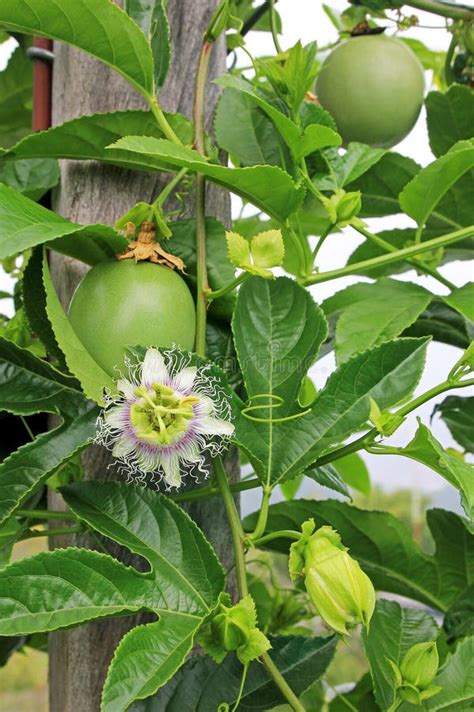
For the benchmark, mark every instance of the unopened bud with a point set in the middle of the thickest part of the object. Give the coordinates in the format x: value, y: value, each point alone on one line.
x: 230, y: 628
x: 420, y: 664
x: 342, y: 593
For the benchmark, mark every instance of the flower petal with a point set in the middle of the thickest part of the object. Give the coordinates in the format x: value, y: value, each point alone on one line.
x: 183, y: 381
x: 127, y: 388
x: 153, y: 368
x: 116, y: 417
x: 172, y: 475
x: 123, y: 447
x: 208, y: 425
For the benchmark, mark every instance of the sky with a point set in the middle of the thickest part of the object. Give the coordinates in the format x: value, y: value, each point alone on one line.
x: 305, y: 20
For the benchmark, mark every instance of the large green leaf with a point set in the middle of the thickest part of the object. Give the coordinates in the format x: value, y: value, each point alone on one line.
x: 201, y: 685
x: 354, y: 472
x: 449, y: 117
x: 187, y: 577
x: 30, y: 385
x: 87, y: 137
x: 16, y: 82
x: 393, y: 631
x: 24, y: 224
x: 278, y: 330
x: 381, y: 185
x: 462, y: 300
x: 31, y: 178
x: 343, y: 169
x: 153, y: 526
x: 34, y: 304
x: 361, y: 697
x: 443, y: 324
x: 458, y: 414
x: 252, y: 140
x: 267, y: 187
x: 99, y: 27
x: 152, y: 20
x: 26, y: 469
x: 426, y: 449
x: 380, y: 312
x: 385, y: 549
x: 456, y: 679
x: 81, y: 585
x: 420, y: 197
x: 314, y: 137
x: 387, y: 373
x: 92, y: 377
x: 459, y: 620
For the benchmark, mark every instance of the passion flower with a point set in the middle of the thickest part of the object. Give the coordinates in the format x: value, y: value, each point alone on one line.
x: 166, y: 417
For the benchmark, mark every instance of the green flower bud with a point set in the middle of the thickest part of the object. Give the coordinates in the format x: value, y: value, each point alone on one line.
x: 348, y: 205
x: 420, y: 664
x: 342, y: 593
x: 230, y: 628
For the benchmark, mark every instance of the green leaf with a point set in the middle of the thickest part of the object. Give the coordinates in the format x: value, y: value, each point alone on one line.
x: 456, y: 679
x: 361, y: 698
x: 301, y: 660
x: 354, y: 472
x: 187, y: 578
x: 459, y: 620
x: 387, y: 373
x: 393, y: 631
x: 357, y: 159
x: 267, y: 187
x: 443, y: 324
x: 24, y: 224
x: 426, y: 449
x: 382, y: 183
x: 185, y: 567
x: 16, y: 82
x: 462, y: 300
x: 80, y: 363
x: 286, y: 349
x: 31, y: 178
x: 9, y: 533
x: 327, y: 476
x: 82, y: 585
x: 220, y: 270
x: 34, y: 304
x: 420, y: 197
x: 458, y: 414
x: 449, y: 117
x: 381, y: 312
x: 25, y: 470
x: 252, y: 140
x: 152, y: 20
x: 87, y: 137
x: 314, y: 137
x: 385, y: 549
x: 30, y: 385
x: 98, y: 27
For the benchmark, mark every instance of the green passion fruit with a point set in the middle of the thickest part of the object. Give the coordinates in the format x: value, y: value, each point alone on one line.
x: 120, y: 304
x: 373, y: 87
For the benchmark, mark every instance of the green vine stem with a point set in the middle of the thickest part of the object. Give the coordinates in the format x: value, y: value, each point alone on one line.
x: 63, y: 531
x: 44, y: 514
x: 169, y: 187
x: 282, y: 534
x: 161, y: 120
x: 238, y: 537
x: 274, y: 29
x: 448, y: 70
x: 210, y: 295
x: 361, y: 267
x: 199, y: 142
x: 443, y: 9
x: 377, y: 240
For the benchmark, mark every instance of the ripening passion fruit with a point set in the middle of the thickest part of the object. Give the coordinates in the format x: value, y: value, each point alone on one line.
x: 373, y: 87
x: 120, y: 304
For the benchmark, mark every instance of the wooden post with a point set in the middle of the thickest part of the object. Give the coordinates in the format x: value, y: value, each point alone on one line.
x: 90, y: 193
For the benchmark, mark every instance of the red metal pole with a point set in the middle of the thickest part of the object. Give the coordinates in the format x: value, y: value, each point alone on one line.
x: 42, y: 77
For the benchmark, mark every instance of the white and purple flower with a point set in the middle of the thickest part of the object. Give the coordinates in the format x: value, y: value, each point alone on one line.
x: 166, y: 416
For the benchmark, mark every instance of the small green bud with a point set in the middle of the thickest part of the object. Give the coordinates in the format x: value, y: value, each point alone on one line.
x: 230, y: 628
x: 420, y: 664
x: 348, y: 205
x: 342, y: 593
x: 385, y: 422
